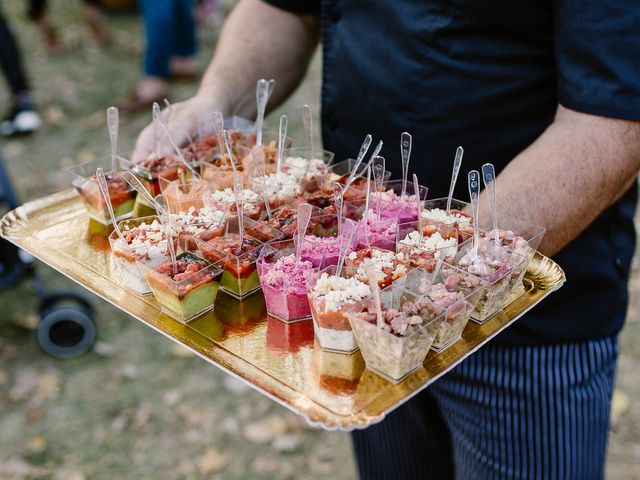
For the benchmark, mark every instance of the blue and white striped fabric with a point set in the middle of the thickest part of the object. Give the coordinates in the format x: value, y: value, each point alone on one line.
x: 521, y: 412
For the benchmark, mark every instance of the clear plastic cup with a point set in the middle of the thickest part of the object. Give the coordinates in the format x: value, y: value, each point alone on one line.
x: 190, y: 292
x: 130, y: 253
x: 281, y: 188
x: 393, y: 205
x: 218, y: 170
x: 438, y: 241
x: 182, y: 195
x: 321, y: 243
x: 499, y: 267
x: 329, y: 311
x: 399, y: 347
x: 150, y: 170
x: 310, y: 172
x: 373, y: 232
x: 516, y: 235
x: 282, y: 281
x: 203, y: 222
x: 285, y: 219
x: 225, y: 199
x: 239, y: 278
x: 121, y: 194
x: 435, y: 212
x: 453, y: 290
x: 388, y: 264
x: 339, y: 172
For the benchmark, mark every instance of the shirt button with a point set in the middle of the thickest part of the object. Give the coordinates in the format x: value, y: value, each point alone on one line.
x: 334, y: 11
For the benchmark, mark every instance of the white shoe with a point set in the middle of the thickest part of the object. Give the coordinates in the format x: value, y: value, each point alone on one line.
x: 26, y: 121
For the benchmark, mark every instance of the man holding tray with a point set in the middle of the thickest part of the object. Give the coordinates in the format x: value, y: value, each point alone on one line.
x: 547, y: 91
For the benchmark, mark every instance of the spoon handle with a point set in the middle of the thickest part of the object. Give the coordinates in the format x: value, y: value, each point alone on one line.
x: 264, y: 89
x: 378, y: 175
x: 405, y: 151
x: 158, y: 116
x: 165, y: 219
x: 218, y: 126
x: 304, y: 216
x: 474, y: 194
x: 104, y: 190
x: 113, y: 123
x: 350, y: 228
x: 416, y: 188
x: 363, y: 151
x: 489, y: 179
x: 457, y: 163
x: 137, y: 185
x: 282, y: 134
x: 338, y: 196
x: 375, y: 153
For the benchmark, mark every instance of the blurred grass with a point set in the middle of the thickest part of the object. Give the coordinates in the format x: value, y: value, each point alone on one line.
x: 136, y: 407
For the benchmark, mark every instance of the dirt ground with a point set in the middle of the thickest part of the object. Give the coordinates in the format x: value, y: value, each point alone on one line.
x: 136, y: 406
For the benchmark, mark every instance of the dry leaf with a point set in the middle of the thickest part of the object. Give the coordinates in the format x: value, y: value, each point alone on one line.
x: 620, y: 403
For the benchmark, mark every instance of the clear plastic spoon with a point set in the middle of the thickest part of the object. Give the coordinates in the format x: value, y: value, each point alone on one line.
x: 282, y: 135
x: 489, y: 179
x: 350, y: 228
x: 363, y: 151
x: 304, y: 216
x: 258, y: 167
x: 307, y: 121
x: 416, y: 188
x: 474, y: 194
x: 264, y: 89
x: 158, y: 116
x: 367, y: 201
x: 218, y: 127
x: 378, y: 175
x: 239, y: 194
x: 167, y: 223
x: 338, y: 203
x: 372, y: 276
x: 113, y: 122
x: 405, y: 151
x: 457, y: 163
x: 104, y: 190
x: 375, y: 153
x: 137, y: 185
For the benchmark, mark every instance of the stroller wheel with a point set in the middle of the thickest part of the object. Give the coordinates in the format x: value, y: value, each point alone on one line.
x: 66, y: 331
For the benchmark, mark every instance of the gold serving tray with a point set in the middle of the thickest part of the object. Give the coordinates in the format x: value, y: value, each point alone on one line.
x: 332, y: 391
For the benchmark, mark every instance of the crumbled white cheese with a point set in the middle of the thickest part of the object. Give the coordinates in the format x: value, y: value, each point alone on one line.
x: 227, y: 195
x: 279, y: 184
x: 336, y: 291
x: 297, y: 166
x: 441, y: 216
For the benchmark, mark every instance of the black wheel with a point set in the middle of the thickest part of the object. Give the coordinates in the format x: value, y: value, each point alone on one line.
x: 66, y: 327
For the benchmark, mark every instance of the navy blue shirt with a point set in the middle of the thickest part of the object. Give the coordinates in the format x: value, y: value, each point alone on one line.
x: 488, y: 75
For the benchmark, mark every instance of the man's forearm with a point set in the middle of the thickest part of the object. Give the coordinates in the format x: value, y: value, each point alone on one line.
x: 578, y: 167
x: 259, y: 41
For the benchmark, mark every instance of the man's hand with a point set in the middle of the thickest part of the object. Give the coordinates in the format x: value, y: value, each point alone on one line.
x: 186, y: 117
x: 578, y: 167
x: 257, y: 41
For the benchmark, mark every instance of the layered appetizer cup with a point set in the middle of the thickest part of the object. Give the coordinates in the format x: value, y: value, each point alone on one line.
x: 278, y: 188
x: 500, y: 268
x: 204, y: 222
x: 394, y: 205
x: 121, y: 194
x: 437, y: 242
x: 310, y: 172
x: 397, y: 345
x: 239, y: 277
x: 217, y: 168
x: 388, y: 265
x: 184, y: 290
x: 451, y: 290
x: 225, y: 199
x: 143, y: 243
x: 183, y: 194
x: 339, y: 172
x: 373, y: 232
x: 435, y: 212
x: 331, y: 297
x: 321, y: 243
x: 282, y: 279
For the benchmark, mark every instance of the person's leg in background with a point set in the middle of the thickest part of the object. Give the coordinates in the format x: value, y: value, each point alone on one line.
x: 96, y: 21
x: 183, y: 66
x: 37, y: 13
x: 159, y: 25
x: 22, y: 117
x: 413, y: 442
x: 531, y: 412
